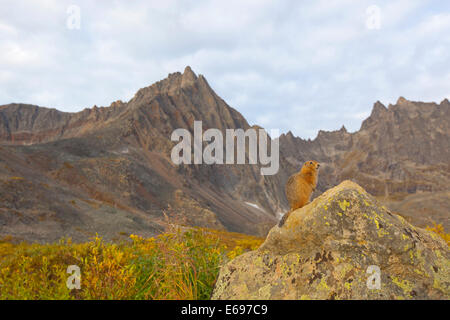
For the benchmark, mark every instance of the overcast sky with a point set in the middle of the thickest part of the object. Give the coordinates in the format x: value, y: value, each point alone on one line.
x: 293, y: 65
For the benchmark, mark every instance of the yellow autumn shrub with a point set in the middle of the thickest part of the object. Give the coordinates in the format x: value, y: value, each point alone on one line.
x: 439, y: 229
x: 173, y: 265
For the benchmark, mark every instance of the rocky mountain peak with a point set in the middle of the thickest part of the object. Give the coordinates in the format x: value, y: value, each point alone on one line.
x: 188, y: 77
x: 290, y: 135
x: 378, y: 112
x: 171, y: 85
x: 188, y: 74
x: 323, y: 134
x: 401, y: 100
x: 378, y: 109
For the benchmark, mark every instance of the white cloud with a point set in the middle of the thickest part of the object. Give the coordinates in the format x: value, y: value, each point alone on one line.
x: 6, y: 29
x: 299, y: 66
x: 435, y: 24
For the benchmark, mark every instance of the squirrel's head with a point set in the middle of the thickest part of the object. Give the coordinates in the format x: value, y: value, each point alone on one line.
x: 311, y: 165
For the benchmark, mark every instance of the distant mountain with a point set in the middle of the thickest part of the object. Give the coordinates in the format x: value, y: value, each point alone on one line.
x: 108, y: 170
x: 401, y: 154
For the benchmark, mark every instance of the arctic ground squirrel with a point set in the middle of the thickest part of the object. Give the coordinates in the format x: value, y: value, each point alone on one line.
x: 300, y: 187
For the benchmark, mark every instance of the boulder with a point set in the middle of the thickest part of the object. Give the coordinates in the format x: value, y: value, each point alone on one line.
x: 343, y: 245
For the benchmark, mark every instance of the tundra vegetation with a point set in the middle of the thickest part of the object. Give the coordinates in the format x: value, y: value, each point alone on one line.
x: 174, y: 265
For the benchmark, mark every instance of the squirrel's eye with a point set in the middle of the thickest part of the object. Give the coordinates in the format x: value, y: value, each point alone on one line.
x: 310, y: 162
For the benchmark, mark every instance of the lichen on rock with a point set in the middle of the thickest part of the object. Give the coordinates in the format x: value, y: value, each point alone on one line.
x: 324, y: 251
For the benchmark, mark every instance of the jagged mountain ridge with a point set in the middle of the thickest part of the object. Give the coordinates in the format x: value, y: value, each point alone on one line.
x: 400, y: 153
x: 108, y: 169
x: 119, y: 157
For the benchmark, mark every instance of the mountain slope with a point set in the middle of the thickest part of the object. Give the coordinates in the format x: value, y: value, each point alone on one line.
x: 108, y: 169
x: 117, y: 159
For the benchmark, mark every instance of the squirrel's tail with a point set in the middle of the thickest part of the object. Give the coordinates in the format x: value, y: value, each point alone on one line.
x: 283, y: 219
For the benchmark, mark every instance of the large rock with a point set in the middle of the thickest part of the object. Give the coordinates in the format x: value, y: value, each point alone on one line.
x: 330, y: 248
